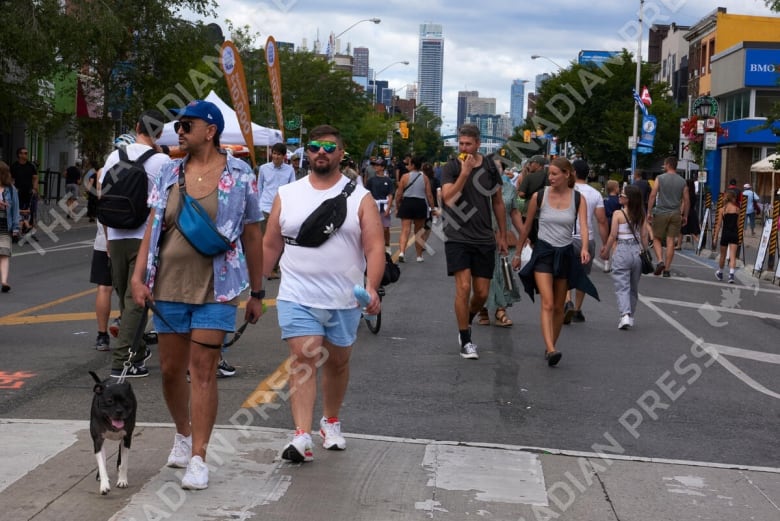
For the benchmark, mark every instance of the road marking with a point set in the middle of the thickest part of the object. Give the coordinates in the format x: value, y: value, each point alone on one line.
x: 58, y: 248
x: 710, y: 307
x: 267, y: 390
x: 8, y: 319
x: 712, y: 349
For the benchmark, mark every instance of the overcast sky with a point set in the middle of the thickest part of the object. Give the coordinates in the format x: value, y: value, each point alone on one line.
x: 486, y: 44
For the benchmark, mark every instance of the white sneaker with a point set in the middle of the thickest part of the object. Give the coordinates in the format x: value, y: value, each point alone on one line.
x: 625, y: 322
x: 630, y: 320
x: 330, y: 432
x: 299, y: 449
x: 197, y: 475
x: 181, y: 452
x: 420, y: 259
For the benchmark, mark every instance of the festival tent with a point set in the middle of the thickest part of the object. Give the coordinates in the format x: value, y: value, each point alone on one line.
x: 262, y: 136
x: 767, y: 166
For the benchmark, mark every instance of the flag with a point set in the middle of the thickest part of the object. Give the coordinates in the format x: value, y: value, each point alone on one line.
x: 646, y: 99
x: 230, y: 61
x: 639, y: 102
x: 275, y: 79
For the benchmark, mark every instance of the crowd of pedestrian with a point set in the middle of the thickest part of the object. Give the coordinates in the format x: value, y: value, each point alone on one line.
x: 278, y: 224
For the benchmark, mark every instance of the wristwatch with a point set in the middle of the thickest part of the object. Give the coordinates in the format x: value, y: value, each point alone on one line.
x: 257, y: 294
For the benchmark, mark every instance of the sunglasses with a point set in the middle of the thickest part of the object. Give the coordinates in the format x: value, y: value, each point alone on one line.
x: 184, y: 125
x: 328, y: 146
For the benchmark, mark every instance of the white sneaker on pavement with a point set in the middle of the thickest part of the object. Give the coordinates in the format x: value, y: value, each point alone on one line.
x: 299, y: 449
x: 330, y: 432
x: 197, y: 475
x: 625, y: 322
x: 181, y: 452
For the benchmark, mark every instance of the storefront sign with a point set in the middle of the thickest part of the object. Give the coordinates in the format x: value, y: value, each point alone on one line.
x: 762, y: 67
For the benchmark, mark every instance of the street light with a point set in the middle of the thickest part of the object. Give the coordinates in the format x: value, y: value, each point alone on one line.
x: 403, y: 62
x: 537, y: 56
x: 373, y: 20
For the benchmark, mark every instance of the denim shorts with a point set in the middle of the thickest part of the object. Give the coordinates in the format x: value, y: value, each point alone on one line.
x: 337, y: 326
x: 183, y: 318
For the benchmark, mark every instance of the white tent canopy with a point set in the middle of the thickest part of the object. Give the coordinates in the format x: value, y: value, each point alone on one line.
x: 766, y: 165
x: 262, y: 136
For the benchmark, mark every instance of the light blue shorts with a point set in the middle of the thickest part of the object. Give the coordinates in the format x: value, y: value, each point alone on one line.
x: 183, y: 318
x: 337, y: 326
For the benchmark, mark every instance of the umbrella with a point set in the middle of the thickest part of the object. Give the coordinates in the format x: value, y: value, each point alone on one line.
x: 767, y: 166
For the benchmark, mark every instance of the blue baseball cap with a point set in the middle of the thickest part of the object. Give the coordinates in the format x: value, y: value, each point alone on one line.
x: 204, y: 110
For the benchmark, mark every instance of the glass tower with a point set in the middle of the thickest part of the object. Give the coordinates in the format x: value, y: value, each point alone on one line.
x: 430, y: 67
x: 517, y: 102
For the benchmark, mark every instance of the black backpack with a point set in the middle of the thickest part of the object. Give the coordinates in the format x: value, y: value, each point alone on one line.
x: 124, y: 192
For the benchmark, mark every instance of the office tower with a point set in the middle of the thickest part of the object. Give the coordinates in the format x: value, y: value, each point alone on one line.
x: 481, y: 106
x: 464, y: 96
x: 430, y: 67
x: 517, y: 102
x: 360, y: 62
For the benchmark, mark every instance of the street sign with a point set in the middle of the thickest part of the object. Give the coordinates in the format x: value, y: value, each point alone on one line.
x: 702, y: 176
x: 710, y: 141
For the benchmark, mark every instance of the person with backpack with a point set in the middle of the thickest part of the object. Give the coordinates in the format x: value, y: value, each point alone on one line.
x: 125, y: 182
x: 469, y: 184
x: 555, y: 266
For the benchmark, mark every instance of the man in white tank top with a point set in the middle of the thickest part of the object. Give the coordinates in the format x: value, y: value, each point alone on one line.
x: 317, y: 310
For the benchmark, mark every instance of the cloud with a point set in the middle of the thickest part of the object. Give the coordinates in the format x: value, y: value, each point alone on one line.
x: 487, y: 44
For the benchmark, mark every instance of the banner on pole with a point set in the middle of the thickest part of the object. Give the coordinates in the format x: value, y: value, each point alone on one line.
x: 275, y: 79
x: 230, y: 61
x: 647, y: 137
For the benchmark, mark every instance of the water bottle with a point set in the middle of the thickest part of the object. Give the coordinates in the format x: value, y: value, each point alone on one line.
x: 363, y: 298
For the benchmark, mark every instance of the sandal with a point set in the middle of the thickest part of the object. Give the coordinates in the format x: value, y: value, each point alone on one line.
x: 501, y: 319
x: 484, y: 318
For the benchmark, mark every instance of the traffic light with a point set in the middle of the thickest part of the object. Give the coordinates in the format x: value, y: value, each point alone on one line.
x: 526, y: 136
x: 502, y: 152
x: 403, y: 129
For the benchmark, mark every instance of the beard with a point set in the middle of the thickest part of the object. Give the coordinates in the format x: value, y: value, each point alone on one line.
x: 322, y: 169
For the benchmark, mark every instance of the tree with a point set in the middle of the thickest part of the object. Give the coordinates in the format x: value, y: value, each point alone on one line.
x: 28, y: 50
x: 591, y: 108
x: 134, y: 53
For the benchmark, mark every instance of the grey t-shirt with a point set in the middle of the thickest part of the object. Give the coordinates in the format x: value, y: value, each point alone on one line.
x: 670, y: 192
x: 468, y: 220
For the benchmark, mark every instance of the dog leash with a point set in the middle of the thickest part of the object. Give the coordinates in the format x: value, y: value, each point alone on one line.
x: 236, y: 335
x: 139, y: 332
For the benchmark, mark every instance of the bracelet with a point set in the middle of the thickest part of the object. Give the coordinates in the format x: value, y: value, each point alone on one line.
x: 257, y: 294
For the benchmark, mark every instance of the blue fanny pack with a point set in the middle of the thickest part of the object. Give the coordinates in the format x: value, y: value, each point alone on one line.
x: 196, y: 226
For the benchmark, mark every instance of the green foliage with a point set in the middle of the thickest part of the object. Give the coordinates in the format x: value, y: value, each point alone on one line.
x: 592, y: 108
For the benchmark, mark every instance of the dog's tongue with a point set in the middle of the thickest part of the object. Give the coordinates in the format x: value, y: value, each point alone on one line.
x: 117, y: 424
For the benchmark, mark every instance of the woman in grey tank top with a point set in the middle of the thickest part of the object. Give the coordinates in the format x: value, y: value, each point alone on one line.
x: 555, y: 266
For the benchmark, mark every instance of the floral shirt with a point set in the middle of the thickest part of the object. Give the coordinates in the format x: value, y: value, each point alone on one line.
x: 237, y: 204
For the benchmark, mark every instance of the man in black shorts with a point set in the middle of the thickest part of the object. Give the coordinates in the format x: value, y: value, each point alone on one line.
x: 468, y: 186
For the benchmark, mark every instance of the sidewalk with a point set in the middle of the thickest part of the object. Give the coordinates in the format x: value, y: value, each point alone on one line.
x: 49, y: 474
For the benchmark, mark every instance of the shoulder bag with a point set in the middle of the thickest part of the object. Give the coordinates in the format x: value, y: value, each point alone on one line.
x: 196, y: 226
x: 644, y: 254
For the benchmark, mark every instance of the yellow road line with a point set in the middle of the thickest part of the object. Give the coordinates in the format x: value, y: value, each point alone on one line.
x: 49, y: 304
x: 267, y: 390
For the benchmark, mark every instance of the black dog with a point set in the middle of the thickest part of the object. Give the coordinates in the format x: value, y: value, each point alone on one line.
x: 112, y: 418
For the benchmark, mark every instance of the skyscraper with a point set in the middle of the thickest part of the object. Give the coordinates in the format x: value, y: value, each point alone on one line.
x: 464, y: 96
x: 430, y: 67
x: 517, y: 102
x: 360, y: 62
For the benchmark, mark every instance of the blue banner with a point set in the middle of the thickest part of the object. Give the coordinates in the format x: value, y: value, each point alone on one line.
x: 647, y: 136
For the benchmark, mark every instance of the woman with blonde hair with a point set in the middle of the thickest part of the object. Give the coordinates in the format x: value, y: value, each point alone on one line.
x: 554, y: 266
x: 9, y: 222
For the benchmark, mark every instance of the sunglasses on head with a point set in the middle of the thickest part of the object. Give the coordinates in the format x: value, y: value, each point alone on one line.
x: 328, y: 146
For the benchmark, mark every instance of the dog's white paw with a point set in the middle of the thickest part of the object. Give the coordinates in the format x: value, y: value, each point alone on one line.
x: 105, y: 489
x: 121, y: 483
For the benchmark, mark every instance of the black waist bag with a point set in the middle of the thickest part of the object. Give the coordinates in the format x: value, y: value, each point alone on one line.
x: 324, y: 221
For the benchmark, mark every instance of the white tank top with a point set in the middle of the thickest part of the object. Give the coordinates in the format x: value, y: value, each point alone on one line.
x: 321, y: 277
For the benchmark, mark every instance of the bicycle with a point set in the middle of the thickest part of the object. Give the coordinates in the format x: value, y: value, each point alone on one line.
x: 374, y: 322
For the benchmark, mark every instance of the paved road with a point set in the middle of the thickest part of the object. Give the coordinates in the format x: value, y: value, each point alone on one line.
x: 684, y: 409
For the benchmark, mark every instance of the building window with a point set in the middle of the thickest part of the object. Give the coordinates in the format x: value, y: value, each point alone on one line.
x: 765, y: 99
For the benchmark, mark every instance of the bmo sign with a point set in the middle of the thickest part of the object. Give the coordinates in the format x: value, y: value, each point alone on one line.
x: 762, y: 67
